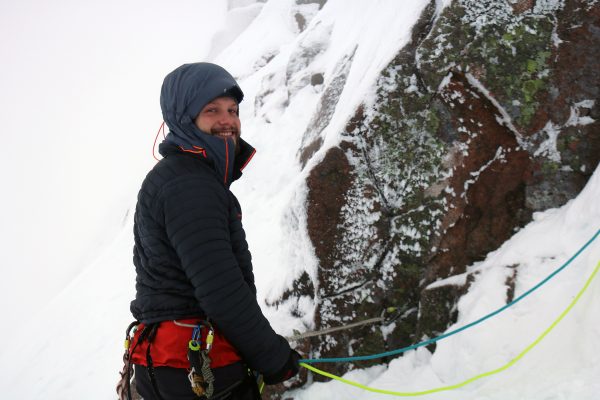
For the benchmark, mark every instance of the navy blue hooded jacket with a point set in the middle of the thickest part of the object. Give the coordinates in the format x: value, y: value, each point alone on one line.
x: 190, y: 253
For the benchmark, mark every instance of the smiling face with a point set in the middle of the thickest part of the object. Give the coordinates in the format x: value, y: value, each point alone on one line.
x: 220, y: 118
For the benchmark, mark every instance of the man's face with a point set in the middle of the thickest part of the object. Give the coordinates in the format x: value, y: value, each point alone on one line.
x: 220, y: 118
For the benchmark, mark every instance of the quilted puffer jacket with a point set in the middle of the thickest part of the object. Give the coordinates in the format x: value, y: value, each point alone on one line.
x: 190, y: 254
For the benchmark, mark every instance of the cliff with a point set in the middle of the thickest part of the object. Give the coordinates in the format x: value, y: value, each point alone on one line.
x: 488, y: 115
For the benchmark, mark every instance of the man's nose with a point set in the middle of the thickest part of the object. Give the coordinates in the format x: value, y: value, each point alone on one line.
x: 226, y: 118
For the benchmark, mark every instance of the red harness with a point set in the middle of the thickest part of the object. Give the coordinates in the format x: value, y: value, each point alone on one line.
x: 169, y: 346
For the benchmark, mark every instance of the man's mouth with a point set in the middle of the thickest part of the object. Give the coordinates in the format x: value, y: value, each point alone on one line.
x: 226, y: 133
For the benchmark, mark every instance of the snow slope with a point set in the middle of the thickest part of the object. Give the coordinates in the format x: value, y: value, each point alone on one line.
x: 72, y: 347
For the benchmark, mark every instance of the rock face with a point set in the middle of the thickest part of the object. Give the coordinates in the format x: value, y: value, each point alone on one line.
x: 488, y: 115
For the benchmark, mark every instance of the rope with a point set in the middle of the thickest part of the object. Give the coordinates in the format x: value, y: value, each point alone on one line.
x: 476, y: 377
x: 388, y: 315
x: 454, y: 332
x: 335, y: 329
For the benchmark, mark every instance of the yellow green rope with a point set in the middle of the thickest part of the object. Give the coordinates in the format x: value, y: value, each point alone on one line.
x: 477, y: 377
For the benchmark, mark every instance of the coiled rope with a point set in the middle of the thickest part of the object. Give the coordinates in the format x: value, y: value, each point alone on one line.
x: 454, y: 332
x: 476, y: 377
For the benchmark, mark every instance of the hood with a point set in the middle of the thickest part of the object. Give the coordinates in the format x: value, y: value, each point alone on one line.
x: 184, y: 93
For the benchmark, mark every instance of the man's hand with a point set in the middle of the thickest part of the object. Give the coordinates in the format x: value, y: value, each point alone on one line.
x: 289, y: 369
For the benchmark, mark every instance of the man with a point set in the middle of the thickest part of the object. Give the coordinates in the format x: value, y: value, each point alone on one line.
x: 194, y: 270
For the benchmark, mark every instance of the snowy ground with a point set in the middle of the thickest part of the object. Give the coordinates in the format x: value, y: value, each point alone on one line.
x: 69, y: 346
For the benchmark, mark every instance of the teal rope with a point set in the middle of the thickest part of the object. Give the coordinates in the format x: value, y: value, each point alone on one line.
x: 454, y: 332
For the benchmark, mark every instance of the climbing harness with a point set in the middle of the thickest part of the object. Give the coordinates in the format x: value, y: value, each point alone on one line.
x: 479, y: 376
x: 151, y: 334
x: 127, y: 375
x: 201, y: 376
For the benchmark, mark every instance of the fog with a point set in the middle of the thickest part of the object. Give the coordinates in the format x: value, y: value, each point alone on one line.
x: 79, y: 109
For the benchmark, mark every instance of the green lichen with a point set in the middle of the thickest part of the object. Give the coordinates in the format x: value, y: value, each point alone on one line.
x: 508, y: 37
x: 532, y: 66
x: 550, y: 167
x: 509, y: 56
x: 530, y: 88
x: 519, y: 74
x: 432, y: 121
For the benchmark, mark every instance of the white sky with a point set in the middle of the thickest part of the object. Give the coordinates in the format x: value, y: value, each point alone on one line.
x: 79, y: 107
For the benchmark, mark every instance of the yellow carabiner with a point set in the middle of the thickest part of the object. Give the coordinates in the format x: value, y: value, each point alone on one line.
x: 209, y: 339
x: 194, y: 345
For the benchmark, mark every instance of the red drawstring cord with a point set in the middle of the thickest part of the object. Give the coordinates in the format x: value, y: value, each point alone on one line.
x: 161, y: 128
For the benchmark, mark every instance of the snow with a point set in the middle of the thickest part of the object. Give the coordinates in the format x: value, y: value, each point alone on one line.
x: 575, y: 118
x: 504, y: 118
x: 548, y: 147
x: 86, y: 160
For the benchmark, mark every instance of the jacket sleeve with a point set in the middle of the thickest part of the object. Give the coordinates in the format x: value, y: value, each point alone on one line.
x: 196, y: 219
